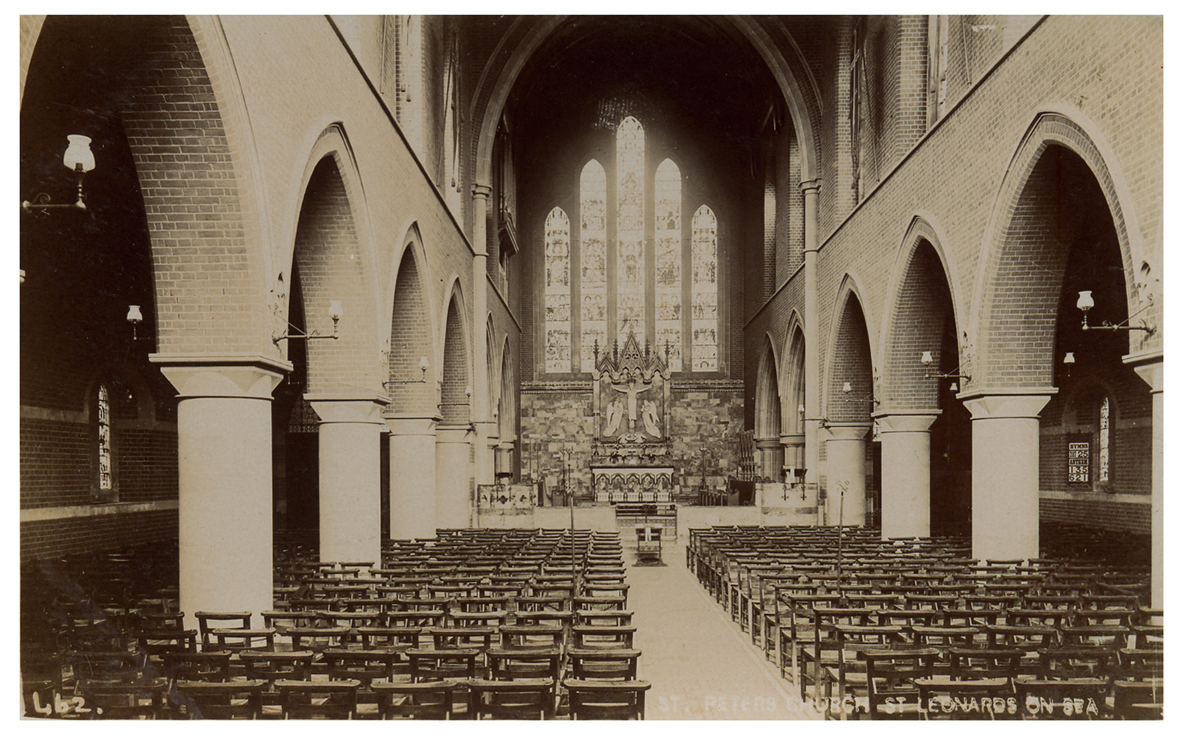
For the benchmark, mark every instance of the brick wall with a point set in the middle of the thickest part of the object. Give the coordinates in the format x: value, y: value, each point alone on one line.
x: 52, y: 538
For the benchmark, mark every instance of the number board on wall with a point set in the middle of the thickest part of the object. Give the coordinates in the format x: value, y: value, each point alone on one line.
x: 1078, y: 462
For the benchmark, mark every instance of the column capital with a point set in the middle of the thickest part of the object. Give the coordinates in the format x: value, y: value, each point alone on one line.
x: 1008, y: 403
x: 810, y: 185
x: 404, y: 425
x: 791, y: 439
x: 482, y: 191
x: 344, y: 408
x: 906, y: 421
x: 852, y: 431
x: 772, y: 442
x: 453, y: 433
x: 222, y: 375
x: 1150, y: 367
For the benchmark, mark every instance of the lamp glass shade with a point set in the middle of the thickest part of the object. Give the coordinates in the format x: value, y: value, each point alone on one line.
x: 1069, y: 358
x: 847, y: 388
x: 78, y: 154
x: 134, y: 315
x: 335, y: 310
x: 423, y: 364
x: 926, y: 358
x: 1085, y: 301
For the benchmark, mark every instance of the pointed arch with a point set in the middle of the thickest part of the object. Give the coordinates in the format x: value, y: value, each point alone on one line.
x: 851, y: 353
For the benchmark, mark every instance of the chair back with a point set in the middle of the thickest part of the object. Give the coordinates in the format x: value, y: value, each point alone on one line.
x: 595, y: 700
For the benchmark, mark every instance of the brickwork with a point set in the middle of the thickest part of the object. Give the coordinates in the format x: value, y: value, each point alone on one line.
x: 1132, y: 517
x: 853, y: 364
x: 327, y: 257
x: 52, y: 538
x: 919, y: 321
x: 456, y: 409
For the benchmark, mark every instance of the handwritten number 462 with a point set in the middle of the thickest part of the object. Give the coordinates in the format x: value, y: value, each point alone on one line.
x: 61, y: 706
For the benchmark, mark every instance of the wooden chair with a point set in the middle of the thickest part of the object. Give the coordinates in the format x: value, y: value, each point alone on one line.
x: 272, y: 665
x: 595, y: 664
x: 203, y: 666
x: 222, y: 700
x: 242, y: 639
x: 603, y: 636
x: 853, y: 642
x: 549, y: 635
x: 208, y: 620
x: 890, y: 681
x: 596, y: 700
x: 432, y: 700
x: 516, y: 663
x: 519, y: 699
x: 307, y: 700
x: 1062, y: 699
x: 122, y: 699
x: 1138, y: 699
x: 433, y: 664
x: 364, y: 666
x: 966, y: 699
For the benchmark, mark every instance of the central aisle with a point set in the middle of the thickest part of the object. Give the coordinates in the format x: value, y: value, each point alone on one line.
x: 700, y: 665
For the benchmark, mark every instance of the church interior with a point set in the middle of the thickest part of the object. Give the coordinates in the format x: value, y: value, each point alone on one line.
x: 574, y: 367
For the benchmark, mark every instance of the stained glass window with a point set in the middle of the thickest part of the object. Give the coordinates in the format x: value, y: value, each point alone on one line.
x: 557, y: 291
x: 629, y: 278
x: 1104, y: 474
x: 668, y: 262
x: 705, y: 290
x: 593, y: 257
x: 106, y: 480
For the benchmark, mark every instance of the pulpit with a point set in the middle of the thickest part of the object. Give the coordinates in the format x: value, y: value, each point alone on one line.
x: 631, y: 458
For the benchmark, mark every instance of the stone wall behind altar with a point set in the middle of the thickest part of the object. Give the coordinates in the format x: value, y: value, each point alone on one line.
x: 555, y: 418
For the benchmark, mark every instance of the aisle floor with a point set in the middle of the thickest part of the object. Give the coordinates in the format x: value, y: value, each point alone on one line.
x: 701, y: 666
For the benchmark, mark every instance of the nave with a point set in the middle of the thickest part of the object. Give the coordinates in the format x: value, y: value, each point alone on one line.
x: 781, y: 624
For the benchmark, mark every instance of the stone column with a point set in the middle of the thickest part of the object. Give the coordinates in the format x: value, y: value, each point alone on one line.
x: 480, y: 411
x: 846, y: 469
x: 1005, y: 473
x: 453, y: 448
x: 504, y: 457
x: 412, y: 476
x: 224, y: 459
x: 770, y: 458
x: 812, y: 419
x: 906, y: 472
x: 350, y: 476
x: 1152, y: 370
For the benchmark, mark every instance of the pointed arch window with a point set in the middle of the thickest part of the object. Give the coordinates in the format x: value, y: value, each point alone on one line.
x: 1103, y: 465
x: 705, y: 290
x: 668, y: 262
x: 593, y: 257
x: 557, y: 291
x: 631, y: 315
x: 597, y: 289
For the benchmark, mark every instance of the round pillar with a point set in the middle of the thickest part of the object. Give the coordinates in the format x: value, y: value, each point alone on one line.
x: 1005, y: 461
x: 412, y: 476
x: 770, y: 458
x: 1152, y: 371
x: 224, y: 464
x: 906, y: 473
x: 846, y: 472
x: 350, y: 476
x: 453, y: 449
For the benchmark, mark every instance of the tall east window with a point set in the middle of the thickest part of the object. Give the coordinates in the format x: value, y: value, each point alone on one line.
x: 615, y: 276
x: 557, y: 291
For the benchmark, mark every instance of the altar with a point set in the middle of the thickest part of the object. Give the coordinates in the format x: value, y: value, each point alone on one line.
x: 631, y: 456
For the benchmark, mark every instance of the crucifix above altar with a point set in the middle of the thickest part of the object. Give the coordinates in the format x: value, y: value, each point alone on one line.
x: 631, y: 404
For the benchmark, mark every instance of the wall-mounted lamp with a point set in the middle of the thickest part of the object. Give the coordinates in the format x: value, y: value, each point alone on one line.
x: 848, y: 388
x: 1068, y: 361
x: 334, y: 312
x: 78, y: 159
x: 926, y: 359
x: 801, y: 409
x: 423, y: 364
x: 1086, y: 302
x: 135, y: 317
